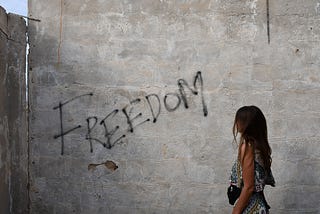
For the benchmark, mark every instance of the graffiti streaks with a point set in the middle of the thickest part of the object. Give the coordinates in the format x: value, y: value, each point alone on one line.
x: 62, y: 132
x: 131, y: 119
x: 171, y: 109
x: 268, y: 22
x: 131, y: 115
x: 195, y: 91
x: 154, y: 116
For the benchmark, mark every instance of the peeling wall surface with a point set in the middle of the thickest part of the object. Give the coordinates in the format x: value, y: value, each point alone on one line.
x: 133, y: 102
x: 13, y: 119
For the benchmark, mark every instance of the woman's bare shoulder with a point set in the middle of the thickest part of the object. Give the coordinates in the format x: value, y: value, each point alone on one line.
x: 246, y: 150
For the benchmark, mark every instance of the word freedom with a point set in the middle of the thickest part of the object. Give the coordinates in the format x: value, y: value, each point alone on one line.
x: 113, y: 136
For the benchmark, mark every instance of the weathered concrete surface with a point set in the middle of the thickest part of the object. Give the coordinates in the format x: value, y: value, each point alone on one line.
x: 4, y: 130
x: 13, y: 121
x: 114, y: 52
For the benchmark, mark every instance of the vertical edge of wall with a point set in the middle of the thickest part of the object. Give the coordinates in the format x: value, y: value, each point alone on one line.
x: 18, y: 112
x: 17, y: 115
x: 4, y: 129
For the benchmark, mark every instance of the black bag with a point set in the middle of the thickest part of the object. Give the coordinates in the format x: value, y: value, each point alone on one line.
x: 233, y: 190
x: 233, y: 193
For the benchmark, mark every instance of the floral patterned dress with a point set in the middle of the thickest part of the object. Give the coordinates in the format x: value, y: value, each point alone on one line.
x: 257, y: 203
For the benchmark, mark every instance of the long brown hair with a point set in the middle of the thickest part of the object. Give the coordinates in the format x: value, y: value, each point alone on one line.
x: 252, y: 125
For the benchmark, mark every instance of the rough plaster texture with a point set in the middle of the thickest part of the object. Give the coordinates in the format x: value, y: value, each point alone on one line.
x: 119, y: 51
x: 13, y: 121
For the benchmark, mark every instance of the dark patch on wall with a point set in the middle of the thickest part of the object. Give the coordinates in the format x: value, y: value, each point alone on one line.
x: 108, y: 164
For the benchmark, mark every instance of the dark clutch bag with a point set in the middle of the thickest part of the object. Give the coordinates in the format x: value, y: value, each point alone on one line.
x: 233, y: 193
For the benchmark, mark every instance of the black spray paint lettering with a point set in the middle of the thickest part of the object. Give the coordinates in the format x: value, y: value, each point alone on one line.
x: 195, y: 91
x: 166, y: 105
x: 109, y: 134
x: 131, y: 119
x: 90, y: 128
x: 171, y: 102
x: 62, y: 132
x: 155, y: 116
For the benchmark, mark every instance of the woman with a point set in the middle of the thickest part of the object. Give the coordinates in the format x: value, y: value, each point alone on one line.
x: 252, y: 169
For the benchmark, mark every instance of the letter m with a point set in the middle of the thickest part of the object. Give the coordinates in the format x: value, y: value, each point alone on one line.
x: 197, y: 89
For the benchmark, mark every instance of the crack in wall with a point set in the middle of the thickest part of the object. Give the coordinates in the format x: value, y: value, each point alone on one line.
x: 60, y: 32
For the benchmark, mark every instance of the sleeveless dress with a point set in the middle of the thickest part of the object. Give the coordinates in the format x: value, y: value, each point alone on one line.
x: 257, y: 203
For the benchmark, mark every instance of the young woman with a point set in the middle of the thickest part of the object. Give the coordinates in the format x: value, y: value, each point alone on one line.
x: 252, y: 169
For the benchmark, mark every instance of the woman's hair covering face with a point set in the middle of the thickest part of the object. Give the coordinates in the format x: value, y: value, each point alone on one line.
x: 252, y: 125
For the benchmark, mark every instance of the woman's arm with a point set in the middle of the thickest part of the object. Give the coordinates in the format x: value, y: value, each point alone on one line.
x: 247, y: 164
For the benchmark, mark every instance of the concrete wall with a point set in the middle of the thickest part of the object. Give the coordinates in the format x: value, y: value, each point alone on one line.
x: 102, y: 71
x: 13, y: 119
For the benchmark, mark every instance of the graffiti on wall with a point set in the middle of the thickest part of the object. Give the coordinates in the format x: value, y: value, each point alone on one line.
x: 113, y: 135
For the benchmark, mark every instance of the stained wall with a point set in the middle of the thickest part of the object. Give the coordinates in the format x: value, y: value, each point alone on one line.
x: 152, y: 87
x: 13, y: 115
